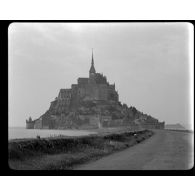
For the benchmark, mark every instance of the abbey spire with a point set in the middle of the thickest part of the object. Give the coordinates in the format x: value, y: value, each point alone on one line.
x: 92, y: 69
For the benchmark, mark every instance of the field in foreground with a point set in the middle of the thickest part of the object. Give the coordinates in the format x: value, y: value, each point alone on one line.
x: 65, y: 153
x: 165, y: 150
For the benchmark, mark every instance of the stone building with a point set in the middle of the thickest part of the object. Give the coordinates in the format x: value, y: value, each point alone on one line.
x: 94, y: 88
x: 90, y: 103
x: 30, y: 123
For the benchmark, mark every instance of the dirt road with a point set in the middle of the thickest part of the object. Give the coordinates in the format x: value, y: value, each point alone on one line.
x: 165, y: 150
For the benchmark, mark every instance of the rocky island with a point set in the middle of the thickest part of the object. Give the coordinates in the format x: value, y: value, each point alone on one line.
x: 91, y: 103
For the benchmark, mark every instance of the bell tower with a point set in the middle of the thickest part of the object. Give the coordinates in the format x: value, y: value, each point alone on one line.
x: 92, y: 69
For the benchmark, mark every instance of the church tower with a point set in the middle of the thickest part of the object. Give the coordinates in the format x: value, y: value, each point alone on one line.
x: 92, y: 69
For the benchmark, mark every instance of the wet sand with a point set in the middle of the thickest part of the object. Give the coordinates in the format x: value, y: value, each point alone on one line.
x: 166, y: 150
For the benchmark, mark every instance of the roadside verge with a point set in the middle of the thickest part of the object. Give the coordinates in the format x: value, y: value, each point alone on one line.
x: 66, y: 152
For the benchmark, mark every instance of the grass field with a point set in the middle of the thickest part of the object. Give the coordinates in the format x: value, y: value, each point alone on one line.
x: 64, y: 153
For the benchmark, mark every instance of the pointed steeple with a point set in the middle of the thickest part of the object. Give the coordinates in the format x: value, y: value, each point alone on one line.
x: 92, y: 61
x: 92, y: 69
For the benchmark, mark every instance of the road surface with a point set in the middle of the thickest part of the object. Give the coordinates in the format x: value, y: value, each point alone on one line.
x: 165, y: 150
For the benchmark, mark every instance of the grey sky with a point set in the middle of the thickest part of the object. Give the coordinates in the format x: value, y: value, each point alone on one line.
x: 149, y: 63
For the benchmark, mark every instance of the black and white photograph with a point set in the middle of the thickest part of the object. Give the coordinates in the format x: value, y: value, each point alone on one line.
x: 100, y: 96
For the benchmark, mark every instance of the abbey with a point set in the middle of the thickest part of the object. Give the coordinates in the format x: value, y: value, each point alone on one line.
x: 96, y: 87
x: 91, y: 103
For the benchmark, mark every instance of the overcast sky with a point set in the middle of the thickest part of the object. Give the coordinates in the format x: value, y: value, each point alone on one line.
x: 149, y: 63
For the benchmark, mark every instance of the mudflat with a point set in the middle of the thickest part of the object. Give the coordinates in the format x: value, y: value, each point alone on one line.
x: 165, y: 150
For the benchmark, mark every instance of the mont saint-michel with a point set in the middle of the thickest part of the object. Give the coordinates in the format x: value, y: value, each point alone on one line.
x: 91, y: 103
x: 122, y: 106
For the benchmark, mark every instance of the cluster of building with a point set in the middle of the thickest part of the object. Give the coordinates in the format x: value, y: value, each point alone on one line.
x: 63, y: 111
